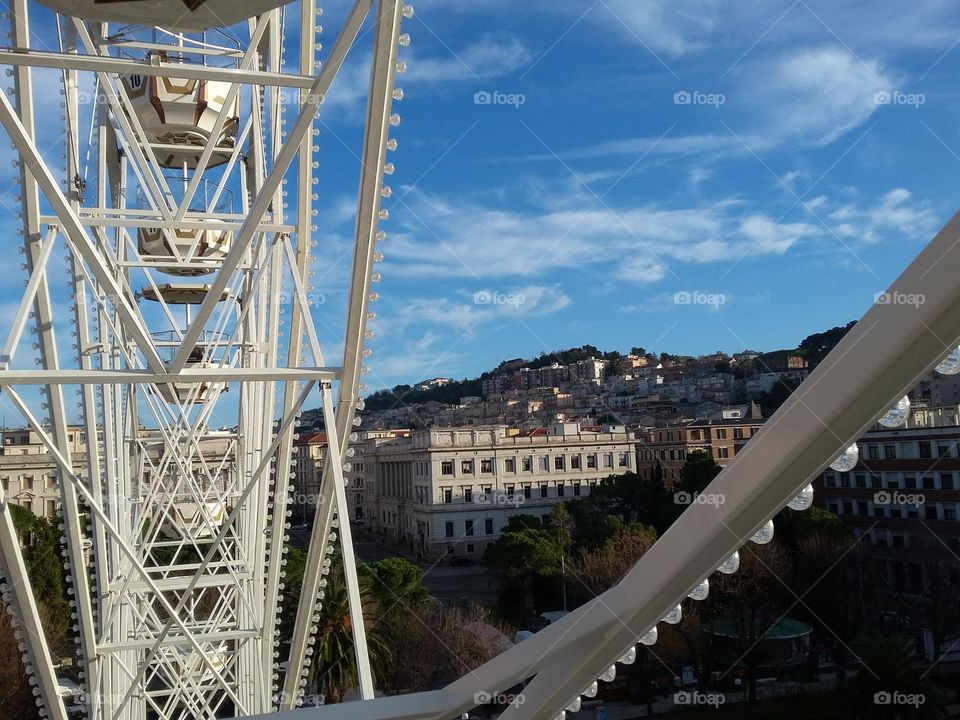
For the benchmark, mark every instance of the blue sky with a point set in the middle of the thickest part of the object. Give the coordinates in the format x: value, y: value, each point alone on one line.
x: 566, y: 171
x: 789, y: 157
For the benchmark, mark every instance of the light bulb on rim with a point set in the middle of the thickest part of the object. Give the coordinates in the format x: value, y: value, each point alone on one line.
x: 897, y: 415
x: 847, y: 460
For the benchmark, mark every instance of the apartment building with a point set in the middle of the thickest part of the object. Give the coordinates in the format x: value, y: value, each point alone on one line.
x: 309, y: 456
x: 453, y: 490
x: 903, y: 495
x: 902, y: 501
x: 720, y: 437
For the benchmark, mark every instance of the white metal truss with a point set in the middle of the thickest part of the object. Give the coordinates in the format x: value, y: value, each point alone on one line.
x: 170, y: 212
x: 176, y: 552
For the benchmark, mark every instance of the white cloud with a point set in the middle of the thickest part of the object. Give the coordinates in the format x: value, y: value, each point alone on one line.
x: 812, y: 96
x: 487, y: 59
x: 672, y: 27
x: 638, y: 243
x: 893, y: 215
x: 465, y: 312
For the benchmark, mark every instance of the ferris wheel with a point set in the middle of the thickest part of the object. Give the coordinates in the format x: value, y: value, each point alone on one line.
x: 183, y: 207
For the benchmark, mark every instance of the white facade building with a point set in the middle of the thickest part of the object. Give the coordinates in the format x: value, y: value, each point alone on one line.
x: 453, y: 490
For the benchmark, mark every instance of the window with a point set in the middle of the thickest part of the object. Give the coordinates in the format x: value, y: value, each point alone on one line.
x: 486, y: 466
x: 946, y: 481
x: 447, y: 494
x: 488, y: 526
x: 738, y: 433
x: 909, y: 482
x: 468, y: 494
x: 889, y: 452
x: 466, y: 467
x: 576, y: 489
x: 861, y: 479
x: 574, y: 462
x: 829, y: 480
x: 930, y: 512
x: 449, y: 529
x: 28, y: 482
x: 721, y: 434
x: 527, y: 464
x: 592, y: 461
x: 544, y: 463
x: 928, y: 483
x: 543, y: 490
x: 845, y: 480
x: 925, y: 450
x: 695, y: 435
x: 510, y: 465
x: 559, y: 489
x: 624, y: 459
x: 559, y: 462
x: 468, y: 527
x: 949, y: 512
x: 723, y: 452
x: 608, y: 460
x: 469, y: 548
x: 943, y: 451
x: 526, y: 492
x: 873, y: 452
x: 446, y: 467
x: 509, y: 489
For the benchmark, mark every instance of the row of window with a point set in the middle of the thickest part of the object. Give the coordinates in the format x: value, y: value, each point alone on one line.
x: 720, y: 433
x: 909, y: 450
x: 28, y: 482
x: 906, y: 508
x: 904, y: 481
x: 467, y: 495
x: 488, y: 466
x: 681, y: 453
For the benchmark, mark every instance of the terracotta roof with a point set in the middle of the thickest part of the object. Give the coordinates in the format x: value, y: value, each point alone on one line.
x: 313, y: 438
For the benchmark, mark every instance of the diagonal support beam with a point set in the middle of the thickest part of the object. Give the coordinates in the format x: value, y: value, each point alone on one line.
x: 37, y: 277
x: 379, y: 104
x: 271, y: 184
x: 75, y: 232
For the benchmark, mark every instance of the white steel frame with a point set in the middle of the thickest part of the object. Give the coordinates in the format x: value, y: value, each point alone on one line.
x: 184, y: 626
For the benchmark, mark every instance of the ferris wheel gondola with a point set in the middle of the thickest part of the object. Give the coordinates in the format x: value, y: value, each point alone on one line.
x: 182, y: 15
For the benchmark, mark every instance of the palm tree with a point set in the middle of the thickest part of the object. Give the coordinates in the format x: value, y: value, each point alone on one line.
x: 889, y: 686
x: 334, y: 669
